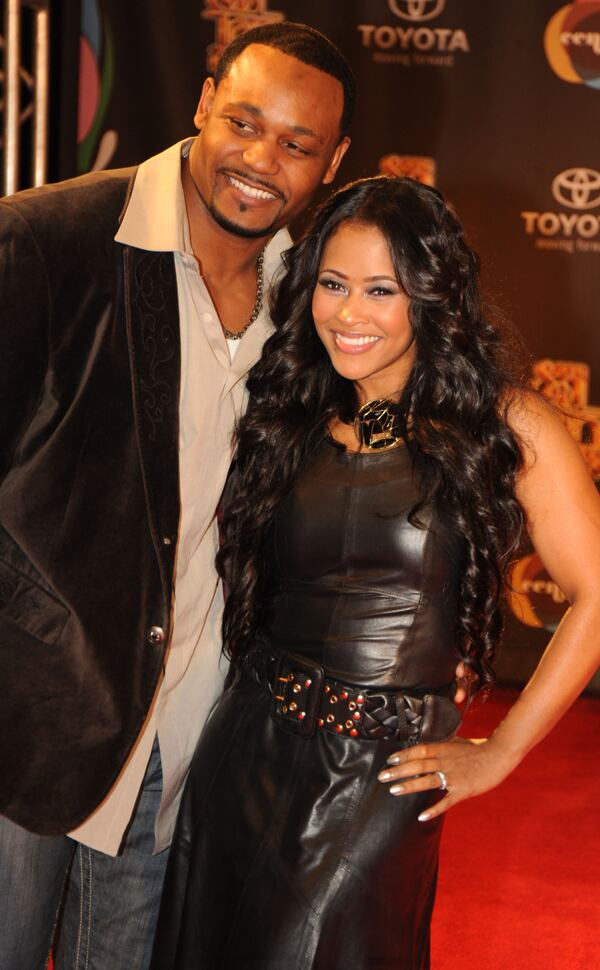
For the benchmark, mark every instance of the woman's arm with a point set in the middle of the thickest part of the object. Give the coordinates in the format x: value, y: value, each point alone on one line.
x: 562, y: 508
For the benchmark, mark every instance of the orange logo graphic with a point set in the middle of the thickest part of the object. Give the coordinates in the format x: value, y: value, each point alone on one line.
x: 535, y: 599
x: 232, y: 18
x: 566, y: 384
x: 421, y: 168
x: 572, y: 43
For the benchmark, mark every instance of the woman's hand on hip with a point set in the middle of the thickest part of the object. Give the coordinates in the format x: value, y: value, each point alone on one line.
x: 461, y: 767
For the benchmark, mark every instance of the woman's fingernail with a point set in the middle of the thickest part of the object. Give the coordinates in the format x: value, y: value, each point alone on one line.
x: 394, y: 759
x: 423, y: 817
x: 384, y: 776
x: 396, y: 789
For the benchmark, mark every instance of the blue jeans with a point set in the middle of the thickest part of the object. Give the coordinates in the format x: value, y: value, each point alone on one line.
x: 109, y: 905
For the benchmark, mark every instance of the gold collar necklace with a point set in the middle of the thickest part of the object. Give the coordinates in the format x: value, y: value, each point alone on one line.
x: 378, y: 425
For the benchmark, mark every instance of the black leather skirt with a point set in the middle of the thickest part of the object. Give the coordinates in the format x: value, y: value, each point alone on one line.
x: 289, y: 853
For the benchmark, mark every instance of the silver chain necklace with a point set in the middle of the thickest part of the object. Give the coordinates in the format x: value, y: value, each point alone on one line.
x: 260, y: 281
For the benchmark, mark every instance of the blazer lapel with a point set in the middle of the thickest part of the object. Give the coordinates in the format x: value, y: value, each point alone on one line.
x: 152, y: 316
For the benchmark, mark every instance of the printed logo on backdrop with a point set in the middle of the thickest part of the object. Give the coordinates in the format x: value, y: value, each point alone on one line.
x: 95, y: 149
x: 417, y: 9
x: 421, y: 168
x: 232, y: 18
x: 535, y: 598
x: 415, y: 41
x: 572, y: 43
x: 576, y: 230
x: 577, y: 188
x: 566, y: 384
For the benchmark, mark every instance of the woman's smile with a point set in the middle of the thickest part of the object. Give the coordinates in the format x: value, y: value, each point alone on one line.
x: 350, y: 343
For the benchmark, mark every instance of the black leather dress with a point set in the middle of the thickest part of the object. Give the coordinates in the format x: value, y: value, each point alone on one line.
x: 289, y: 854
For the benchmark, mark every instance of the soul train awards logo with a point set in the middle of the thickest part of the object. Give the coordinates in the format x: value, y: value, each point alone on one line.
x: 232, y: 18
x: 535, y: 598
x: 421, y: 168
x: 566, y: 384
x: 414, y: 42
x: 572, y: 43
x: 576, y: 230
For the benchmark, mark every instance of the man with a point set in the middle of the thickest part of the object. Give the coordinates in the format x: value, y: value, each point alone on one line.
x: 123, y: 351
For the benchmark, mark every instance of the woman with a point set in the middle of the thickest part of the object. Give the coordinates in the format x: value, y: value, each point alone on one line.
x: 386, y: 467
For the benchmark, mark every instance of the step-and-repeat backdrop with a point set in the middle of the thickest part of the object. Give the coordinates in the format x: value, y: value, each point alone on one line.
x: 497, y: 103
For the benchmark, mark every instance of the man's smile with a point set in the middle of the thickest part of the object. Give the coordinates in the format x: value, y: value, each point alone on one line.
x: 252, y: 190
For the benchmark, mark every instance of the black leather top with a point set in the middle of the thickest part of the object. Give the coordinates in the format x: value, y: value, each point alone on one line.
x: 354, y: 585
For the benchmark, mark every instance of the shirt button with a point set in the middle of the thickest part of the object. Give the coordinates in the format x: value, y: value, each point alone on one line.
x: 167, y: 541
x: 156, y: 635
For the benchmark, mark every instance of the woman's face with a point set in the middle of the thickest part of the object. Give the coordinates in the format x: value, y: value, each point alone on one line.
x: 361, y: 312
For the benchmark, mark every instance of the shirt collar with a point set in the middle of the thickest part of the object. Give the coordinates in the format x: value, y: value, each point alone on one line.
x: 155, y: 217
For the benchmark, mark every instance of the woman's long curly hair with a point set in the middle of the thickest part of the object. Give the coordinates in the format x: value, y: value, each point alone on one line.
x: 454, y: 402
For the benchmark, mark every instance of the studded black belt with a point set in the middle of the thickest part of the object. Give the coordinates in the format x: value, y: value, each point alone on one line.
x: 306, y: 700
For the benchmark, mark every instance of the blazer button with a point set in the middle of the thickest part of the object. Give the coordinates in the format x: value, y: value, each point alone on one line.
x: 156, y: 635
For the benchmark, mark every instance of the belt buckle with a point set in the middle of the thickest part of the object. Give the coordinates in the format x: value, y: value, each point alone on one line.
x: 297, y: 691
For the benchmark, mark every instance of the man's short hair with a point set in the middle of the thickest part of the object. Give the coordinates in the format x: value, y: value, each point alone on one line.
x: 305, y: 44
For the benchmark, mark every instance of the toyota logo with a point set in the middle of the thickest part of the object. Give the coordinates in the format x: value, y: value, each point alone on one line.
x: 417, y: 10
x: 577, y: 188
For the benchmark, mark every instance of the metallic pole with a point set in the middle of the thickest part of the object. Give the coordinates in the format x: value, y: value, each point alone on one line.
x: 41, y: 95
x: 12, y: 35
x: 14, y: 72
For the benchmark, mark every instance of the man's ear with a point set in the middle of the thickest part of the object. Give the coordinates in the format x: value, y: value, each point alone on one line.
x: 334, y: 162
x: 205, y: 103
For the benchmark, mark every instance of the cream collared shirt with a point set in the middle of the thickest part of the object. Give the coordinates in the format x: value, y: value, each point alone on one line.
x: 212, y: 396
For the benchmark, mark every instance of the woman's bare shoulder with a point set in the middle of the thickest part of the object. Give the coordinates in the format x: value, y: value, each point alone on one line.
x: 539, y: 426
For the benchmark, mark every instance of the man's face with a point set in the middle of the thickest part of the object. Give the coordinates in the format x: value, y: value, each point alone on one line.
x: 269, y: 136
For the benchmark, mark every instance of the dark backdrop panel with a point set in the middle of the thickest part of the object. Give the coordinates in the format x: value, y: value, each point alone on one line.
x: 511, y: 126
x: 470, y: 87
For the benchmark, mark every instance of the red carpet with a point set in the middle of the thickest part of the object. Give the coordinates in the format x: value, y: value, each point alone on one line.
x: 520, y: 869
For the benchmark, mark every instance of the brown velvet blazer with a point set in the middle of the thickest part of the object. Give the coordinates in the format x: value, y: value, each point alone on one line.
x: 89, y: 494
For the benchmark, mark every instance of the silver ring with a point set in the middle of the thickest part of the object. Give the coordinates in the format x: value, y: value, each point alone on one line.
x: 443, y: 781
